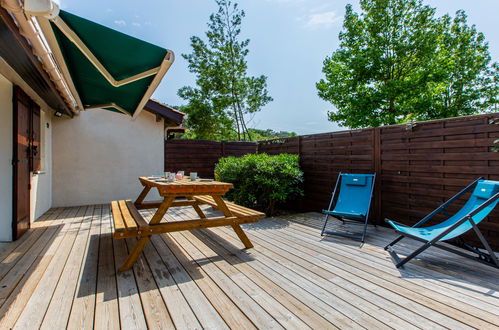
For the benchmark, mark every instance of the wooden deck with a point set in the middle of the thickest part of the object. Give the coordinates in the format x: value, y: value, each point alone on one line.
x: 62, y: 273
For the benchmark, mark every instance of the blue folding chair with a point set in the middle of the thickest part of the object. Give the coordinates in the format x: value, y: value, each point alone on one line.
x: 482, y: 201
x: 352, y: 202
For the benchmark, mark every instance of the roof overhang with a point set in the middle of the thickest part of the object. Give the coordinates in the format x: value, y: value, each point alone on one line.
x: 18, y: 54
x: 172, y: 116
x: 103, y: 68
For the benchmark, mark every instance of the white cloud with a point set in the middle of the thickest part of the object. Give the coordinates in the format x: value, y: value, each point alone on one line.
x: 136, y: 24
x: 120, y: 22
x: 321, y: 20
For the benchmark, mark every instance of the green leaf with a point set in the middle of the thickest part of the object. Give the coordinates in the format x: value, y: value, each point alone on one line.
x: 398, y: 62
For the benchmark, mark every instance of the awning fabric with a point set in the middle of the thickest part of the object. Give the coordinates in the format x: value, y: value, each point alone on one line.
x: 134, y: 67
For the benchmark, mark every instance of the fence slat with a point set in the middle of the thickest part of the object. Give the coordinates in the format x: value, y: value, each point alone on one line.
x: 418, y: 166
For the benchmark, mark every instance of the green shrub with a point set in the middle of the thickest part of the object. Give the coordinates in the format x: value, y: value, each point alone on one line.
x: 261, y: 181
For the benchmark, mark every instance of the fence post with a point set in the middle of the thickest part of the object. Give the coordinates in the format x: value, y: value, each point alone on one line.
x: 377, y: 170
x: 222, y: 149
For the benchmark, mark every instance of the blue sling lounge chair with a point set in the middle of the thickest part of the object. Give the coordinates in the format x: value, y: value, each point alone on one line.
x: 352, y: 202
x: 481, y: 202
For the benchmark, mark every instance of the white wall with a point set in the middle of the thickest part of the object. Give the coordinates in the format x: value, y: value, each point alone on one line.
x: 6, y: 149
x: 99, y: 155
x: 41, y: 184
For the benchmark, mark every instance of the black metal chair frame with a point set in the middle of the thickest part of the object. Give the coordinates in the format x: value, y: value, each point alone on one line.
x: 489, y: 258
x: 343, y: 219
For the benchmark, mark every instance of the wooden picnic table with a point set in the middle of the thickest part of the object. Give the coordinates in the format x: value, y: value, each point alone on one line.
x: 128, y: 222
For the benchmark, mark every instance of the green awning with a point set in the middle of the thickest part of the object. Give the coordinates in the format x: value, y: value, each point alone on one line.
x: 107, y: 69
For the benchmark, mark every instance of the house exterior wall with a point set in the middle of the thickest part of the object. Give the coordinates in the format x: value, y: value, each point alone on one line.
x: 6, y: 148
x: 99, y: 155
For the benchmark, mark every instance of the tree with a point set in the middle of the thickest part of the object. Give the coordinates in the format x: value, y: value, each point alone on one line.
x: 398, y: 62
x: 224, y: 93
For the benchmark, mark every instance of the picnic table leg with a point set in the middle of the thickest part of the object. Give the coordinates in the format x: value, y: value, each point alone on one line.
x: 197, y: 208
x: 134, y: 253
x: 242, y: 236
x: 141, y: 243
x: 237, y: 228
x: 142, y: 196
x: 165, y: 205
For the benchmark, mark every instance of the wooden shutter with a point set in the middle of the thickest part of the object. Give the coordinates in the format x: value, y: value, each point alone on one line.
x: 35, y: 145
x: 22, y: 161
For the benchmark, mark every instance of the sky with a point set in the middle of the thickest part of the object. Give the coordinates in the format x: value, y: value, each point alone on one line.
x: 289, y: 41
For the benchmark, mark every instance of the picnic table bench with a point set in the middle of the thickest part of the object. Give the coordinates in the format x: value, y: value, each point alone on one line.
x: 129, y: 223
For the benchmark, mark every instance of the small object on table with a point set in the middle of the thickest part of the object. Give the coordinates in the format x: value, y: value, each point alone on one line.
x: 180, y: 175
x: 170, y: 177
x: 194, y: 176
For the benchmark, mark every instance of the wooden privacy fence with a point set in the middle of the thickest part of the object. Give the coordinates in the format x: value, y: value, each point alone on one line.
x: 200, y: 155
x: 418, y: 165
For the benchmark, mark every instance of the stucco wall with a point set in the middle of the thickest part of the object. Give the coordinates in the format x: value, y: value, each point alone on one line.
x: 6, y: 126
x: 99, y: 155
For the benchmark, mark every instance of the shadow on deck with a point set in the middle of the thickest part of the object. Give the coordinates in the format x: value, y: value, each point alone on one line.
x: 62, y: 273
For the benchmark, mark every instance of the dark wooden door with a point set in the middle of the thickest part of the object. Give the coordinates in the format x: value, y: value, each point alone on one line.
x: 22, y: 162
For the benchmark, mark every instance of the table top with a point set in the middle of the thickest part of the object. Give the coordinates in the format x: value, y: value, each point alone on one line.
x: 187, y: 187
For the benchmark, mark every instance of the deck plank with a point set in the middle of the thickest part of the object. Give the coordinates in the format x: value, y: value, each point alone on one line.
x: 332, y: 294
x: 156, y: 313
x: 419, y: 269
x: 363, y: 312
x: 227, y: 309
x: 267, y: 282
x: 200, y: 305
x: 433, y: 258
x: 14, y: 304
x: 181, y: 313
x: 34, y: 311
x: 383, y: 268
x: 131, y: 312
x: 259, y: 316
x: 410, y: 301
x: 57, y: 314
x: 106, y: 299
x: 279, y: 312
x: 63, y: 273
x: 83, y: 307
x: 28, y: 236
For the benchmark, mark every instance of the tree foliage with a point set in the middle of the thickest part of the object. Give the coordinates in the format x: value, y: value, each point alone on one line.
x: 224, y: 92
x: 267, y: 134
x: 398, y: 62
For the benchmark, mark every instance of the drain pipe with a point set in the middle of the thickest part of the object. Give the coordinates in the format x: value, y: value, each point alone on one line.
x: 29, y: 30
